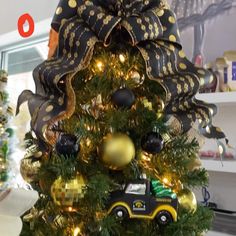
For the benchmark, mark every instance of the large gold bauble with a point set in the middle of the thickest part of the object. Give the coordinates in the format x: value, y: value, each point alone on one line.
x: 187, y: 200
x: 29, y: 169
x: 117, y: 151
x: 66, y: 194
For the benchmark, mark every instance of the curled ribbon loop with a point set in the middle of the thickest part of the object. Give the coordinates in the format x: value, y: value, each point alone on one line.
x: 153, y: 31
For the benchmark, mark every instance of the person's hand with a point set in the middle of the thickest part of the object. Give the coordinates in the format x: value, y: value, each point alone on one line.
x: 53, y: 43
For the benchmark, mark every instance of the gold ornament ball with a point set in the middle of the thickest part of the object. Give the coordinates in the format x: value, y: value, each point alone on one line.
x: 117, y: 151
x: 196, y: 164
x: 67, y: 194
x: 29, y: 169
x: 136, y: 77
x: 187, y: 200
x: 160, y: 106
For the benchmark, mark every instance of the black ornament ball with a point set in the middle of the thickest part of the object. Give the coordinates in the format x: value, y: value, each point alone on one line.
x: 123, y: 98
x: 152, y: 143
x: 67, y: 145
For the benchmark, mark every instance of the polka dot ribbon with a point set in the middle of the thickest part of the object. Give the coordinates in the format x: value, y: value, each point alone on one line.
x: 153, y: 31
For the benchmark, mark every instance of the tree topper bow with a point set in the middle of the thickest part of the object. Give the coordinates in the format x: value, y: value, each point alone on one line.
x: 153, y: 31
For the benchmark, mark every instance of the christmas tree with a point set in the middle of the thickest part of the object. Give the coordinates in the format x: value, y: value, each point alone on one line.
x: 111, y: 148
x: 6, y: 132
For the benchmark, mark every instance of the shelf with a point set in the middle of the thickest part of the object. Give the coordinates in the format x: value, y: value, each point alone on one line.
x: 218, y: 98
x: 216, y: 165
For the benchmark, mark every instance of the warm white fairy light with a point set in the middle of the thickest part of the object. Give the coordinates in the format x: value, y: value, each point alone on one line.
x: 165, y: 181
x: 77, y: 231
x: 122, y: 58
x: 100, y: 66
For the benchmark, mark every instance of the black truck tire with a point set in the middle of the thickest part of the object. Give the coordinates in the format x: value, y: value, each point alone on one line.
x: 120, y: 212
x: 164, y: 218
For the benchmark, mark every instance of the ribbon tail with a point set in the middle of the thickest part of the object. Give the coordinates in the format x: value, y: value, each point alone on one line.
x: 25, y: 96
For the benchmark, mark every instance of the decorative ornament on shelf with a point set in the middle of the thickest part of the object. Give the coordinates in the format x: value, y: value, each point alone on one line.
x: 67, y: 194
x: 221, y: 67
x: 67, y: 145
x: 187, y: 200
x: 29, y: 169
x: 230, y: 72
x: 117, y: 151
x: 123, y: 98
x: 152, y: 142
x: 225, y: 70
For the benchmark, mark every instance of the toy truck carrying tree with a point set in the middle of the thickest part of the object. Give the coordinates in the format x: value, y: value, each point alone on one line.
x: 145, y: 199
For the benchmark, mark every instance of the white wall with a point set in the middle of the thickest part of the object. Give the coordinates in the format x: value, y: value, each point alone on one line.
x: 222, y: 188
x: 220, y: 33
x: 220, y: 37
x: 11, y: 10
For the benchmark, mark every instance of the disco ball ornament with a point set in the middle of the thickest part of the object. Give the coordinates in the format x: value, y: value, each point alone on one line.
x: 67, y: 193
x: 117, y: 151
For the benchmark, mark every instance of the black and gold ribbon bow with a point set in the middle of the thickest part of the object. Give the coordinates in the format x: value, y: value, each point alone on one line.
x: 153, y: 30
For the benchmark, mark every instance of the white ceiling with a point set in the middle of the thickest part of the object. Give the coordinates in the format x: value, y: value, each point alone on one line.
x: 11, y: 10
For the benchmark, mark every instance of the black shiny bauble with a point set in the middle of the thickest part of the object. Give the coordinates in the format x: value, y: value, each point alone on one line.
x: 123, y: 98
x: 152, y: 143
x: 67, y: 145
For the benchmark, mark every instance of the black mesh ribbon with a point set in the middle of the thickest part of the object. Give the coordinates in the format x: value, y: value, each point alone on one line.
x: 153, y: 30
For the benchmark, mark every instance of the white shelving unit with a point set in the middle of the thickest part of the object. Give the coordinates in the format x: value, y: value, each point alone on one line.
x: 222, y: 186
x: 226, y: 101
x: 218, y: 166
x: 219, y: 98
